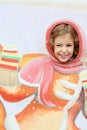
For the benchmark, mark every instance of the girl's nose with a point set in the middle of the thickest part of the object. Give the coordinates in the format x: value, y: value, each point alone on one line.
x: 64, y: 49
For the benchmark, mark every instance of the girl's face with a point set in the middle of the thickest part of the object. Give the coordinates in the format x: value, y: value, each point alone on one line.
x: 64, y: 47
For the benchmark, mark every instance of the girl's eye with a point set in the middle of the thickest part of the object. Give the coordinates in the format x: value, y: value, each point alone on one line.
x: 59, y: 45
x: 69, y: 45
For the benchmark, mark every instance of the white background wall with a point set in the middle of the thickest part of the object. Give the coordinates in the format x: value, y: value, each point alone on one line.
x: 71, y: 4
x: 25, y: 26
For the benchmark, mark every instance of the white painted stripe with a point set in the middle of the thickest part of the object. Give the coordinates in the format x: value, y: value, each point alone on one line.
x: 63, y: 95
x: 22, y: 81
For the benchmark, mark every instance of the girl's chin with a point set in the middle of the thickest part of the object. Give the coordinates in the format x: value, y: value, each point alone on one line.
x: 63, y: 61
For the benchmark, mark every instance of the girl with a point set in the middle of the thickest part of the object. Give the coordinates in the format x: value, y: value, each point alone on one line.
x: 64, y: 42
x: 59, y: 96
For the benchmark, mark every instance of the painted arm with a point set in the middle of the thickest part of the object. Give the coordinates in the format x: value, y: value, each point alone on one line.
x: 30, y: 77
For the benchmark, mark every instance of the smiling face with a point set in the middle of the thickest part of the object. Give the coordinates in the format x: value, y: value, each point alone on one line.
x: 64, y: 42
x: 64, y: 47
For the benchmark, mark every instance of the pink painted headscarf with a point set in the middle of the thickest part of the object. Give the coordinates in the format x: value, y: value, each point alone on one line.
x: 72, y: 66
x: 41, y: 70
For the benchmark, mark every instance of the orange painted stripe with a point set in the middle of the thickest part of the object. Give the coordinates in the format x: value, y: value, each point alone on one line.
x: 84, y: 81
x: 11, y: 51
x: 8, y: 67
x: 86, y: 97
x: 10, y: 60
x: 85, y: 90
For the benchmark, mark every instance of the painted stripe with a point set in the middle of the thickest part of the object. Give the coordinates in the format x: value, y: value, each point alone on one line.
x: 85, y: 86
x: 8, y: 63
x: 63, y: 95
x: 84, y: 81
x: 8, y: 67
x: 85, y: 90
x: 10, y: 51
x: 86, y: 97
x: 10, y: 60
x: 83, y: 75
x: 85, y: 94
x: 18, y: 57
x: 85, y: 78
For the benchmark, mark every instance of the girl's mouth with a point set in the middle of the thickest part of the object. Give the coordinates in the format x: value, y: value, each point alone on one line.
x: 63, y: 56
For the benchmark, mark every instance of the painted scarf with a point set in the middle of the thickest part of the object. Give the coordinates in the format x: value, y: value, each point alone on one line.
x: 40, y: 71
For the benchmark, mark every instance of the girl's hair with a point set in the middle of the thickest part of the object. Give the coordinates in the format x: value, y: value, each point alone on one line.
x: 62, y: 29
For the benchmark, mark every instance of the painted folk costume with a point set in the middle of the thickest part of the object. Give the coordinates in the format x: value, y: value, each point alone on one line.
x: 57, y: 89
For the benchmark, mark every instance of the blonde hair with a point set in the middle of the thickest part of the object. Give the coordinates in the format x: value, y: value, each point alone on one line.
x: 62, y: 29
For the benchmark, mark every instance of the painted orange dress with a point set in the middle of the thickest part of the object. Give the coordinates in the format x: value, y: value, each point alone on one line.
x: 58, y: 95
x: 37, y: 115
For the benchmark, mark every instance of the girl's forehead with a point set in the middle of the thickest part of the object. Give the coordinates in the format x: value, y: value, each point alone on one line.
x: 66, y: 36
